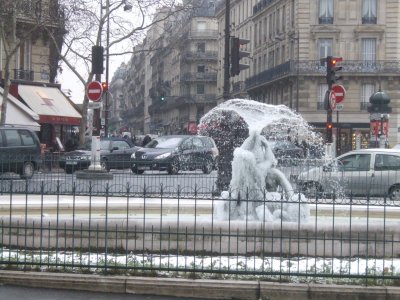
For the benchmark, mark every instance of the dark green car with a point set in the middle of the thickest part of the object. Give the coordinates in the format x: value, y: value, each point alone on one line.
x: 19, y: 151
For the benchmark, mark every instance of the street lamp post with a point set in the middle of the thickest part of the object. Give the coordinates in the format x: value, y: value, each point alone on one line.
x: 297, y: 39
x: 127, y: 7
x: 107, y: 68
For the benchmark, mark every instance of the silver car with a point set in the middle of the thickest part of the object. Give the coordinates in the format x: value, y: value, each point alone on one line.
x: 366, y: 172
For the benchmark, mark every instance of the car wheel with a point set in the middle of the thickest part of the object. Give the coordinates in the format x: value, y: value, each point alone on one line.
x: 207, y: 167
x: 27, y: 170
x: 105, y: 166
x: 394, y: 193
x: 311, y: 189
x: 69, y: 170
x: 173, y: 168
x: 136, y: 171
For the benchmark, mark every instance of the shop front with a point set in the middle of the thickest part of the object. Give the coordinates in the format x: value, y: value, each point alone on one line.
x: 347, y: 136
x: 58, y: 116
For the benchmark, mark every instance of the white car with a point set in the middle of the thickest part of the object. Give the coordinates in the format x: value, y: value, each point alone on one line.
x: 366, y: 172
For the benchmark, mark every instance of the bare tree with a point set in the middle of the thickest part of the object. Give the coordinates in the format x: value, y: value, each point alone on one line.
x: 89, y: 22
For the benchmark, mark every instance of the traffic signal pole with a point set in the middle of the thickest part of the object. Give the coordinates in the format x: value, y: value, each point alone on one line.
x: 226, y: 92
x: 331, y: 78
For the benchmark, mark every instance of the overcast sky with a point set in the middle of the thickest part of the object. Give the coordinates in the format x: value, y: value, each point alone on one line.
x: 69, y: 81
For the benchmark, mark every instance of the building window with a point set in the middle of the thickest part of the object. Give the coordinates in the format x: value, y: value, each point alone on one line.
x: 284, y: 18
x: 369, y: 12
x: 322, y: 88
x: 369, y: 53
x: 271, y: 57
x: 200, y: 89
x: 255, y: 34
x: 325, y: 11
x: 23, y: 59
x: 368, y: 90
x: 201, y: 47
x: 201, y: 69
x: 324, y: 47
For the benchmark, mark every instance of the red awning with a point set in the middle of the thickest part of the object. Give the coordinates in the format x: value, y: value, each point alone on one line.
x: 50, y: 104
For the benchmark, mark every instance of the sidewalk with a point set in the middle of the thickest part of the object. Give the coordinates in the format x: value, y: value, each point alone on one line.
x: 195, y: 289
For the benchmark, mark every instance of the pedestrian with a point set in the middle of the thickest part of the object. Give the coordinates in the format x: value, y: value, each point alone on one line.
x: 146, y: 140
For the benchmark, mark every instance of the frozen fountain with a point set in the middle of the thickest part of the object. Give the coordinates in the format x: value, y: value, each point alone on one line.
x: 258, y: 189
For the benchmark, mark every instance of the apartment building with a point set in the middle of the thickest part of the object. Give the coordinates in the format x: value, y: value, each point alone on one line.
x: 289, y: 38
x: 33, y: 67
x: 185, y: 70
x: 184, y: 77
x: 174, y: 74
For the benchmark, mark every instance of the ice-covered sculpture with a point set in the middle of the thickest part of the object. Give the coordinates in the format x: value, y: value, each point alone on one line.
x: 230, y: 123
x: 258, y: 190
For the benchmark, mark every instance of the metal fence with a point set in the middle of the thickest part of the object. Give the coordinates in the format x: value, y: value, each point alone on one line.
x: 160, y: 224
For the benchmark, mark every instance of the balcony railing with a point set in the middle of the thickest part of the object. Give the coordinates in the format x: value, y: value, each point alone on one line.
x: 194, y: 55
x: 210, y: 33
x: 263, y: 4
x: 270, y: 74
x: 206, y: 76
x: 23, y: 74
x: 369, y: 20
x: 325, y: 20
x: 313, y: 67
x: 39, y: 10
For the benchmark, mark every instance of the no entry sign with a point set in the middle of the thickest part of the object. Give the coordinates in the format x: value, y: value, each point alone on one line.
x: 339, y: 92
x: 94, y: 91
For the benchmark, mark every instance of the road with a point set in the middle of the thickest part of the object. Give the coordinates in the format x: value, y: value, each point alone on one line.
x: 149, y: 182
x: 19, y: 292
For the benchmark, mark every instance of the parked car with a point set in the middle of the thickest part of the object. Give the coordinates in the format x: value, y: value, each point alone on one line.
x: 366, y: 172
x: 176, y: 152
x: 115, y: 153
x: 19, y: 151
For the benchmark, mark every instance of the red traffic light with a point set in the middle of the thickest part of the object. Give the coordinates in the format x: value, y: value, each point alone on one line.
x: 104, y: 86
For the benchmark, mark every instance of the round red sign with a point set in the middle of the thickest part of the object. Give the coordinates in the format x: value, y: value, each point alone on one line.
x: 94, y: 91
x: 339, y: 92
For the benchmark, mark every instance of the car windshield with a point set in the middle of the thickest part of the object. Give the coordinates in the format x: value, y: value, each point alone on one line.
x: 165, y: 142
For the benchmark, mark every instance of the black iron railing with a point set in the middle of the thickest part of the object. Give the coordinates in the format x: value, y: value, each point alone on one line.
x: 344, y: 241
x: 313, y: 67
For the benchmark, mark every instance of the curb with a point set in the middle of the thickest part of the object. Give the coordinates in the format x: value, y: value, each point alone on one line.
x: 206, y: 289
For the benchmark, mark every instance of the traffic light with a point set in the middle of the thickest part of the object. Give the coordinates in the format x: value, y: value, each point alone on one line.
x: 237, y: 53
x: 104, y: 85
x: 332, y: 68
x: 329, y: 130
x: 97, y: 60
x: 162, y: 97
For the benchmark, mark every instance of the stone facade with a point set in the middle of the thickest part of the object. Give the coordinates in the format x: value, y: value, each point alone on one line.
x: 288, y: 39
x: 178, y: 72
x: 36, y: 58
